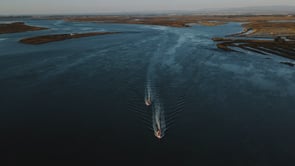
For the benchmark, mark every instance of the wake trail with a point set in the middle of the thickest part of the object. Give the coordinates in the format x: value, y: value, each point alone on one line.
x: 164, y: 55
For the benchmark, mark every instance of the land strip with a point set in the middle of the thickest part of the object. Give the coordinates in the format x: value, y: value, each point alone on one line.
x: 263, y: 37
x: 277, y: 46
x: 263, y: 34
x: 17, y: 27
x: 177, y: 20
x: 59, y: 37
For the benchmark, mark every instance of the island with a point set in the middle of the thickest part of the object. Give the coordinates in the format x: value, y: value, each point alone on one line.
x: 263, y: 37
x: 16, y: 27
x: 263, y: 34
x: 59, y: 37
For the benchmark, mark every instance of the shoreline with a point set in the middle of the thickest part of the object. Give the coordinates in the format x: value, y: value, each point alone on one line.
x: 277, y: 47
x: 17, y: 27
x: 177, y: 20
x: 263, y: 37
x: 263, y: 34
x: 37, y: 40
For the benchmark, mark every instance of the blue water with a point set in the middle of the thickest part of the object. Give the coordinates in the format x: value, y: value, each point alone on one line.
x: 69, y: 99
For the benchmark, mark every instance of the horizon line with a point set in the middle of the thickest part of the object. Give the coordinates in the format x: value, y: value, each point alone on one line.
x: 200, y: 11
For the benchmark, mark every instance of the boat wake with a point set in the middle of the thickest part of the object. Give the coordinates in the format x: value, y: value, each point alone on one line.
x: 152, y: 111
x: 155, y: 109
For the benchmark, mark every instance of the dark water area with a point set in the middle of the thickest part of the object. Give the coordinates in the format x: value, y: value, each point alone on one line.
x: 68, y: 101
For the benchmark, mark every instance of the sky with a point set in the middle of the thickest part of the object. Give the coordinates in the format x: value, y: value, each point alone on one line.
x: 8, y: 7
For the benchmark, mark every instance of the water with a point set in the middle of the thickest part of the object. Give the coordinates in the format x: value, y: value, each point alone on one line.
x: 69, y: 100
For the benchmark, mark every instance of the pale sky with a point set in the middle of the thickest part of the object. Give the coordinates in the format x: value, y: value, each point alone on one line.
x: 8, y: 7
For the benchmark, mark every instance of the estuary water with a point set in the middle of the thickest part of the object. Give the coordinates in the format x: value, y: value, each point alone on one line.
x: 68, y: 100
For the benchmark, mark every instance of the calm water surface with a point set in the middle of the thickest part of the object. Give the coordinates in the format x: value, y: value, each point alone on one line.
x: 69, y: 100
